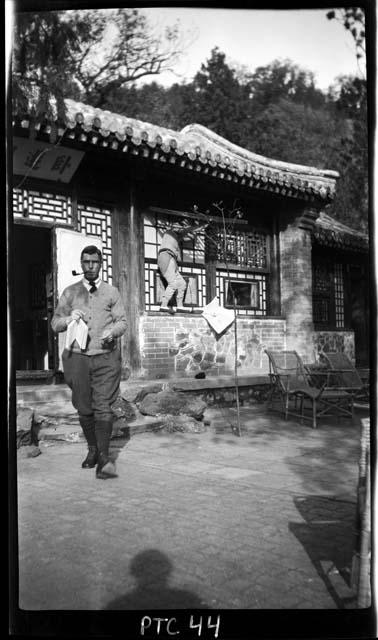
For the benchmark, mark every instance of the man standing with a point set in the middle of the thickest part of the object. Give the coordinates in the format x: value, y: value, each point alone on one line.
x: 93, y: 370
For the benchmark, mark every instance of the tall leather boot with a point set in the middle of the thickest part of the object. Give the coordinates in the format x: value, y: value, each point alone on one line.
x: 88, y: 426
x: 105, y: 467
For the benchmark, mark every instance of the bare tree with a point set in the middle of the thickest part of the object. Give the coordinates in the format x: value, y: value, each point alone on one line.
x: 122, y: 48
x: 353, y: 19
x: 86, y: 55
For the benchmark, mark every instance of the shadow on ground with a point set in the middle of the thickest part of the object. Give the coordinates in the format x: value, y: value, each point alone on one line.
x: 118, y: 442
x: 325, y: 460
x: 329, y: 457
x: 151, y: 569
x: 328, y: 535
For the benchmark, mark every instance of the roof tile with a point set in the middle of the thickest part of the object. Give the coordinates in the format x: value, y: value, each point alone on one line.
x: 197, y: 143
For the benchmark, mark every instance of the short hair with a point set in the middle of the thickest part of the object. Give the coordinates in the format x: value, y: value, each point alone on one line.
x: 91, y: 249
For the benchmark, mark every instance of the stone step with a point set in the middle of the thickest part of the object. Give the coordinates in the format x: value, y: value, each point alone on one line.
x: 34, y: 395
x: 70, y: 431
x: 52, y: 410
x: 58, y: 421
x: 41, y: 394
x: 219, y: 382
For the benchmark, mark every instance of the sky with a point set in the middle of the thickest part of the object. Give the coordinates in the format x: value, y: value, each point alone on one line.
x: 255, y: 37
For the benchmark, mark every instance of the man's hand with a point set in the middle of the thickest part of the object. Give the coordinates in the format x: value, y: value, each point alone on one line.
x: 107, y: 336
x: 77, y: 314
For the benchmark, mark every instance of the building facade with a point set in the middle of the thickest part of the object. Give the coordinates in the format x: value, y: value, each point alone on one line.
x: 298, y: 278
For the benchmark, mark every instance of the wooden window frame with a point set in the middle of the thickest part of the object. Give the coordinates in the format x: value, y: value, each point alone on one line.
x: 252, y: 283
x: 338, y: 293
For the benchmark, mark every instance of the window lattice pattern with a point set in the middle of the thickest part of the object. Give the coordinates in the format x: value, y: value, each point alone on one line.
x: 193, y: 251
x: 328, y: 294
x: 320, y: 310
x: 221, y: 288
x: 321, y: 278
x: 339, y: 295
x: 246, y: 249
x: 97, y: 221
x: 321, y: 302
x: 41, y: 205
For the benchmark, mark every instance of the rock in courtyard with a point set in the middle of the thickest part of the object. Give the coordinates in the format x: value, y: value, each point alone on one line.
x: 25, y: 416
x: 29, y: 451
x: 182, y: 424
x: 136, y: 393
x: 28, y: 425
x: 172, y: 403
x: 123, y: 409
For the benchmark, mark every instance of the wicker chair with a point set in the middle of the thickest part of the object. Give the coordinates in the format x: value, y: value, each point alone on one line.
x: 291, y: 385
x: 347, y: 376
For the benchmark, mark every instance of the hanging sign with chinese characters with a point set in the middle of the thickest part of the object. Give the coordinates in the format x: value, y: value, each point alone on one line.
x: 43, y: 160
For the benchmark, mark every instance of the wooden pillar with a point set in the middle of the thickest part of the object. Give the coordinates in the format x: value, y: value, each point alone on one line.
x: 128, y: 274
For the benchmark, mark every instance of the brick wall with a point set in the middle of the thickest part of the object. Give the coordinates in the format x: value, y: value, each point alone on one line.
x: 341, y: 341
x: 183, y: 345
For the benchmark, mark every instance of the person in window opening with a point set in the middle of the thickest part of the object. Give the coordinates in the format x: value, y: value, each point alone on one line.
x: 168, y: 257
x: 93, y: 373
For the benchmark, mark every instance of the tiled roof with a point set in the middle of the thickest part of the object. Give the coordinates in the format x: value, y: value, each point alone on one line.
x: 332, y: 233
x: 195, y: 148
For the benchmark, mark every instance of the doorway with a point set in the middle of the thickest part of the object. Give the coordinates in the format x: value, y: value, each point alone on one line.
x: 32, y: 291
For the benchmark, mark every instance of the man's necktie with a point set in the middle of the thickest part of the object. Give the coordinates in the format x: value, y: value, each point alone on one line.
x: 93, y: 288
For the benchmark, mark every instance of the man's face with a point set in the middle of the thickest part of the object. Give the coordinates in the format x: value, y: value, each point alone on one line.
x: 91, y: 265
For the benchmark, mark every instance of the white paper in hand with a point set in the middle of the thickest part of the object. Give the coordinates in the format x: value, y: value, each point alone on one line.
x: 218, y: 317
x: 76, y: 331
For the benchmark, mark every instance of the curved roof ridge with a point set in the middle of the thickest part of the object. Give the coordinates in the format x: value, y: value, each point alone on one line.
x: 326, y: 221
x: 75, y: 107
x: 194, y: 134
x: 194, y: 148
x: 246, y: 155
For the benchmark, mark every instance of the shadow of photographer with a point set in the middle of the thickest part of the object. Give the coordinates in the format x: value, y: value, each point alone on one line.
x: 151, y: 570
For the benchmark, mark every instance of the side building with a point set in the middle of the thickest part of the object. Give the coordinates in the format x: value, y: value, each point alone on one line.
x: 299, y: 277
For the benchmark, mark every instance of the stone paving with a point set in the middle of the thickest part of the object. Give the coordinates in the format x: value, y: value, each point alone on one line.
x: 211, y: 520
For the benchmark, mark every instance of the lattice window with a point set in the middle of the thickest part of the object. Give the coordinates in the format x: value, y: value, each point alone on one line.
x: 96, y: 221
x: 243, y: 248
x: 320, y: 310
x: 321, y: 278
x: 321, y: 286
x: 339, y: 295
x: 328, y: 301
x: 192, y: 269
x: 251, y: 291
x: 193, y: 251
x: 42, y: 205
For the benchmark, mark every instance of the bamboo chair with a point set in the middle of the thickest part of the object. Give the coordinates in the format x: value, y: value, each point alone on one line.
x: 290, y: 383
x: 347, y: 376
